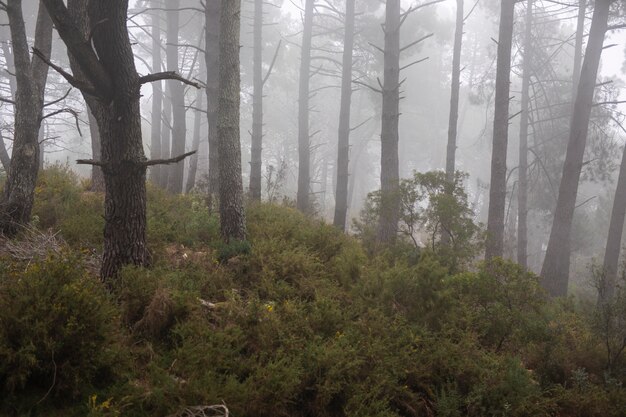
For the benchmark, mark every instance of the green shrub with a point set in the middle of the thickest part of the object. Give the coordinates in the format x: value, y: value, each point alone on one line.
x: 58, y: 333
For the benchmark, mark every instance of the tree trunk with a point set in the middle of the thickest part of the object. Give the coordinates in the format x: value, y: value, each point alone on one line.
x: 343, y: 135
x: 454, y: 95
x: 166, y: 134
x: 522, y: 190
x: 256, y: 147
x: 31, y: 75
x: 157, y: 99
x: 193, y: 162
x: 497, y: 190
x: 177, y: 92
x: 555, y: 271
x: 212, y: 48
x: 578, y: 47
x: 389, y: 172
x: 97, y: 177
x: 614, y: 239
x: 232, y: 215
x: 304, y: 150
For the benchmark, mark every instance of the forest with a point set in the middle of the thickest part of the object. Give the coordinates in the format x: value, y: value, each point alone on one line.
x: 312, y: 208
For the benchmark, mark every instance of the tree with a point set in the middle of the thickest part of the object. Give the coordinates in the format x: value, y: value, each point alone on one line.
x: 212, y: 54
x: 157, y: 98
x: 389, y: 164
x: 454, y: 94
x: 555, y: 270
x: 104, y: 70
x: 522, y: 186
x: 497, y: 189
x: 31, y: 75
x: 197, y: 122
x: 304, y: 151
x: 177, y: 95
x: 343, y: 135
x: 232, y: 215
x: 97, y: 178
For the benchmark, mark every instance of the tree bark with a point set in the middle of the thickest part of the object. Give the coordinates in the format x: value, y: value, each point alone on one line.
x: 166, y: 134
x: 212, y: 54
x: 555, y: 271
x: 177, y: 91
x: 157, y: 98
x: 454, y: 94
x: 31, y: 75
x: 497, y: 190
x: 389, y: 172
x: 304, y: 150
x: 578, y: 47
x: 232, y: 215
x: 256, y: 147
x: 5, y: 159
x: 97, y: 177
x: 343, y: 134
x: 522, y: 190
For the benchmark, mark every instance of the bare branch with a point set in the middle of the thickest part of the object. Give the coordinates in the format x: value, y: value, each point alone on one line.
x: 84, y: 87
x: 167, y: 161
x: 269, y: 71
x: 416, y: 42
x: 167, y: 75
x: 58, y: 100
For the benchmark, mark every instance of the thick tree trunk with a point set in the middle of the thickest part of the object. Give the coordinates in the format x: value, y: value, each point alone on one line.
x: 157, y: 99
x: 555, y: 271
x: 256, y: 147
x: 97, y: 177
x: 454, y: 94
x: 31, y: 75
x: 614, y: 239
x: 497, y: 190
x: 212, y: 48
x: 232, y: 215
x: 177, y: 91
x: 304, y: 150
x: 578, y: 47
x: 193, y: 161
x: 343, y: 135
x: 389, y: 172
x: 522, y: 190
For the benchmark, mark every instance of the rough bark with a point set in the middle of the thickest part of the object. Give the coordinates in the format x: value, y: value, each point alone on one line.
x: 97, y: 177
x: 614, y: 238
x: 454, y: 93
x: 522, y: 190
x: 256, y: 143
x: 304, y: 150
x: 30, y: 77
x: 212, y: 48
x: 497, y: 190
x: 343, y: 134
x: 177, y: 95
x: 555, y: 270
x: 389, y: 172
x: 157, y: 99
x: 232, y: 216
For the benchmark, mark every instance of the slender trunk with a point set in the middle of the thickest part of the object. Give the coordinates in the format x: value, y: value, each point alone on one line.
x: 555, y: 271
x: 177, y: 91
x: 454, y: 95
x: 232, y: 216
x: 166, y: 133
x: 304, y: 150
x: 5, y: 159
x: 31, y: 75
x: 42, y: 145
x: 522, y: 190
x: 343, y: 135
x: 257, y: 104
x: 389, y: 172
x: 157, y: 98
x: 578, y: 48
x: 212, y: 54
x: 614, y: 239
x: 193, y: 162
x: 497, y: 190
x: 97, y: 177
